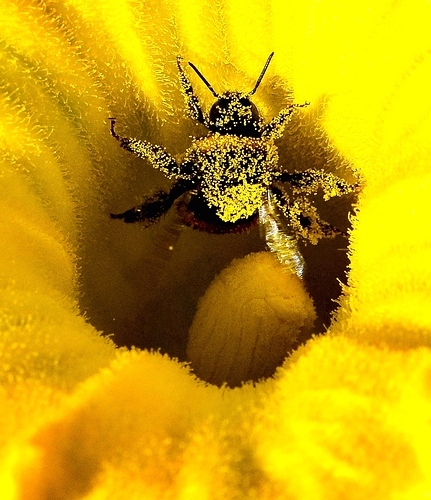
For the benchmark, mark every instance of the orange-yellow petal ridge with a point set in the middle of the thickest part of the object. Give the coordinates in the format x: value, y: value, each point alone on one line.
x: 347, y: 414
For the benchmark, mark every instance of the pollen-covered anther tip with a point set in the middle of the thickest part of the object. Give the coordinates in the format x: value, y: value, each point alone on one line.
x: 251, y: 317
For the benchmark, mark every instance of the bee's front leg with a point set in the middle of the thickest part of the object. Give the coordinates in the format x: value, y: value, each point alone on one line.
x: 156, y: 155
x: 191, y: 100
x: 275, y: 128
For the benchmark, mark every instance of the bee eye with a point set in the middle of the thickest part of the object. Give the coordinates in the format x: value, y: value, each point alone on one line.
x: 220, y: 108
x: 254, y: 112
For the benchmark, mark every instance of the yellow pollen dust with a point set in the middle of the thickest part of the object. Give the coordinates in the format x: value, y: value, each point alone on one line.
x: 235, y: 172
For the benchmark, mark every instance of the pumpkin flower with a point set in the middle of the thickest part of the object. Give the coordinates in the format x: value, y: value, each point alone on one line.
x: 85, y: 414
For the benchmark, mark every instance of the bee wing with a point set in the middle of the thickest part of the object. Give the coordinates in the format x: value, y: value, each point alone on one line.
x: 279, y: 241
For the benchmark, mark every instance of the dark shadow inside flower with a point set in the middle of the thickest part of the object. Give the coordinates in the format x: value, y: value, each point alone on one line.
x: 146, y: 293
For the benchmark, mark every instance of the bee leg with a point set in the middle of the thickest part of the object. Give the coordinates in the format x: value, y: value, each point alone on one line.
x: 156, y: 155
x: 275, y: 128
x: 155, y: 206
x: 304, y: 219
x: 308, y: 181
x: 191, y: 100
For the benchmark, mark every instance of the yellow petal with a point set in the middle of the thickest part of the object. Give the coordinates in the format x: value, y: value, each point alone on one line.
x: 342, y: 418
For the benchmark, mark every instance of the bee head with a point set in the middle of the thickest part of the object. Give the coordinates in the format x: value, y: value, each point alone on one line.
x: 233, y: 112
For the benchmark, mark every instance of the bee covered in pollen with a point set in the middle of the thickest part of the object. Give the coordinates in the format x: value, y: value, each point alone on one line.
x: 231, y: 178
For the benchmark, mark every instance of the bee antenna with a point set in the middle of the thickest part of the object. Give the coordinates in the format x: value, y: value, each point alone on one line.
x: 207, y: 83
x: 261, y: 74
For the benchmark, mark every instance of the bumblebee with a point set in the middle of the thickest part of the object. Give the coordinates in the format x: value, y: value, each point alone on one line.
x: 231, y: 178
